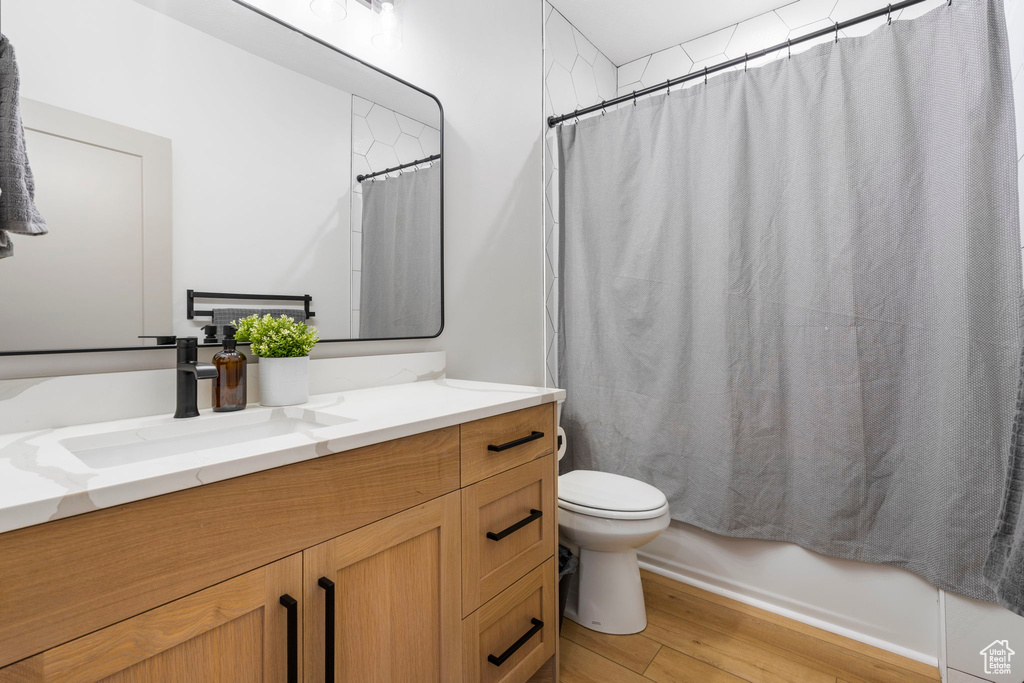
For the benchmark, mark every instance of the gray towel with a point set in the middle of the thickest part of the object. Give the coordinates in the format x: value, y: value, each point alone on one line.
x: 227, y: 316
x: 18, y: 212
x: 6, y: 246
x: 1004, y: 568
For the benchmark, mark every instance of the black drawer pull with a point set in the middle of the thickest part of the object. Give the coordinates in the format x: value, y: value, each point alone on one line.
x: 328, y: 587
x: 292, y: 606
x: 533, y: 517
x: 498, y: 661
x: 518, y: 442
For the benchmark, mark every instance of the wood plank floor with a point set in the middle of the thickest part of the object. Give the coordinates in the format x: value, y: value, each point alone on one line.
x: 696, y: 636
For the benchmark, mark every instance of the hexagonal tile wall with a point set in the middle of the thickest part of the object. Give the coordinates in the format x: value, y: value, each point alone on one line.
x: 576, y: 74
x: 381, y: 138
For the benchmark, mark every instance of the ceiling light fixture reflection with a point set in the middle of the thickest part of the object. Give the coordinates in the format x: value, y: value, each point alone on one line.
x: 389, y: 26
x: 329, y: 10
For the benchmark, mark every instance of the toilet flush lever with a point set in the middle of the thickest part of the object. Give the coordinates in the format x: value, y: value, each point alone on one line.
x: 533, y: 517
x: 518, y: 442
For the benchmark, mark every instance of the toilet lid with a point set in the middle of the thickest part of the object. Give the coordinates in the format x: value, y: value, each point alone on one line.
x: 607, y: 491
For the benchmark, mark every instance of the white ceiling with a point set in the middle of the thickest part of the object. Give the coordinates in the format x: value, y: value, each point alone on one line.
x: 625, y: 31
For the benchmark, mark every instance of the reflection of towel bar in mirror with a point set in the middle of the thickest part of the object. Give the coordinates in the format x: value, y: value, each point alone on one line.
x: 306, y: 299
x: 367, y: 176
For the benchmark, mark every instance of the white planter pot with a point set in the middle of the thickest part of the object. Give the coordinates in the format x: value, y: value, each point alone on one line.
x: 284, y: 381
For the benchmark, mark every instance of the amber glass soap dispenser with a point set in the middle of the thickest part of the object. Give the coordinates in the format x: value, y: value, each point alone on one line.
x: 229, y: 384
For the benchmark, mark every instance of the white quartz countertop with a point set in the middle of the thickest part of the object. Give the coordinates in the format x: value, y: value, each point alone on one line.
x: 54, y: 473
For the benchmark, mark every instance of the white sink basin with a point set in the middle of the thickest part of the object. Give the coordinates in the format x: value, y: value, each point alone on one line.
x: 116, y: 448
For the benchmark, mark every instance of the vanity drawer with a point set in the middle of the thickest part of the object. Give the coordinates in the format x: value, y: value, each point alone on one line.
x: 510, y: 637
x: 499, y: 443
x: 509, y: 526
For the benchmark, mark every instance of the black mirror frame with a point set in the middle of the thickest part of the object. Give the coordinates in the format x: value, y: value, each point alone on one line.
x: 440, y: 161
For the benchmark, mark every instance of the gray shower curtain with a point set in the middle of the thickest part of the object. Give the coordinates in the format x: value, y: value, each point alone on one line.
x: 400, y: 289
x: 790, y: 297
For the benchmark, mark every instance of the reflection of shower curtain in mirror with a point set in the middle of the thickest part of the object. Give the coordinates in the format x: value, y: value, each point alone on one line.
x: 400, y: 293
x: 790, y: 296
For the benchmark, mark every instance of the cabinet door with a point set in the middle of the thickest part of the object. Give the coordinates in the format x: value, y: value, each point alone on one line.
x: 382, y: 602
x: 244, y: 629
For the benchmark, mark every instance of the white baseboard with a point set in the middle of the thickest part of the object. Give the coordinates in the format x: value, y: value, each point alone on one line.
x: 749, y: 595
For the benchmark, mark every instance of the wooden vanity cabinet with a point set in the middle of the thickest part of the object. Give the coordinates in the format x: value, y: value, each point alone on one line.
x: 382, y: 602
x: 347, y: 567
x: 244, y: 629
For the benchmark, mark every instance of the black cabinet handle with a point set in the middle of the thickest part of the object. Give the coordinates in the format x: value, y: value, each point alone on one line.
x: 518, y: 442
x: 292, y: 605
x: 533, y: 517
x: 500, y: 659
x: 328, y: 587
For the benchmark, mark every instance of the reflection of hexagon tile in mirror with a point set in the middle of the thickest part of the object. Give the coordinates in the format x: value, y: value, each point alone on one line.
x: 430, y: 141
x: 362, y: 138
x: 408, y: 149
x: 803, y: 12
x: 584, y: 47
x: 561, y: 43
x: 699, y: 66
x: 756, y: 34
x: 914, y: 11
x: 552, y: 141
x: 549, y: 222
x: 664, y: 65
x: 381, y: 156
x: 631, y: 72
x: 410, y: 126
x: 357, y: 250
x: 360, y: 106
x: 584, y: 84
x: 383, y: 124
x: 709, y: 45
x: 606, y: 76
x: 629, y: 87
x: 848, y: 9
x: 560, y: 90
x: 810, y: 28
x: 551, y: 192
x: 863, y: 28
x: 360, y: 166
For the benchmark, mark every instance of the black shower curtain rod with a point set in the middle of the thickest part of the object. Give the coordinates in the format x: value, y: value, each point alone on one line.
x: 839, y: 25
x: 432, y: 157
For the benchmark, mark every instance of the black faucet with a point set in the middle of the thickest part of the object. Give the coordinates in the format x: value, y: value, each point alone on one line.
x: 189, y: 372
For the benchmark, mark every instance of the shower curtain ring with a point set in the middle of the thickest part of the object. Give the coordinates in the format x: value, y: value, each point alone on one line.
x: 837, y: 31
x: 789, y: 47
x: 634, y: 98
x: 668, y: 86
x: 705, y: 75
x: 744, y: 62
x: 888, y: 15
x: 603, y: 112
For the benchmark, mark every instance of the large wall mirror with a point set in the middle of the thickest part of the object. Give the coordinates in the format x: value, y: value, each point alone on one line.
x: 197, y: 160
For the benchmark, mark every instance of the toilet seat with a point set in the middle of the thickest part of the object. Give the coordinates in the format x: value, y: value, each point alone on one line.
x: 609, y: 496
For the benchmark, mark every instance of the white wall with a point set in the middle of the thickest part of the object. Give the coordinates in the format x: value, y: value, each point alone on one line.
x: 482, y: 60
x: 260, y: 154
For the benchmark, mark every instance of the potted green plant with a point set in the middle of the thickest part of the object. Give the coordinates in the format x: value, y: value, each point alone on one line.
x: 283, y: 347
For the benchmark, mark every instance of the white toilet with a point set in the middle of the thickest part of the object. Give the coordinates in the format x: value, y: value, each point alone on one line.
x: 608, y: 516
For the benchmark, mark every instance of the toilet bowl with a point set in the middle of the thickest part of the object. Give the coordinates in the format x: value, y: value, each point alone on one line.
x: 608, y: 516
